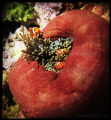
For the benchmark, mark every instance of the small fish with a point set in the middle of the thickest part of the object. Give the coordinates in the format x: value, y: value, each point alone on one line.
x: 59, y: 65
x: 61, y: 51
x: 34, y: 31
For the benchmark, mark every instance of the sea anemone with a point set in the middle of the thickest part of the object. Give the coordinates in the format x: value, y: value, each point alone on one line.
x: 82, y: 87
x: 46, y: 52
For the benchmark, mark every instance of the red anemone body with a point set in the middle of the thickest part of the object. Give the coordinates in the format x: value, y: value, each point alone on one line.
x: 82, y: 85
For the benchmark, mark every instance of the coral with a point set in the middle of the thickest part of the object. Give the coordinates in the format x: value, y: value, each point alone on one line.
x: 10, y: 109
x: 101, y: 9
x: 88, y: 6
x: 11, y: 113
x: 46, y: 12
x: 106, y: 15
x: 16, y: 36
x: 82, y: 85
x: 11, y: 53
x: 18, y: 11
x: 12, y: 48
x: 4, y: 77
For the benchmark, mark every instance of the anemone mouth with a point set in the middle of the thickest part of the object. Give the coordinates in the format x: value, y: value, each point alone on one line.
x: 47, y: 52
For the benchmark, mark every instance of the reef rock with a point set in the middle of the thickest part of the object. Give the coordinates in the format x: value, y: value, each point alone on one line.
x: 12, y: 52
x: 46, y: 12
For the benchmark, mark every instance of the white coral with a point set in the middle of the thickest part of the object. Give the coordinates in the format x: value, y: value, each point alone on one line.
x: 12, y: 54
x: 22, y: 29
x: 46, y: 12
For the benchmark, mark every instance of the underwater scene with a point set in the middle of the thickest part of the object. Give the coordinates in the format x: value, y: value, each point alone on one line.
x: 55, y: 60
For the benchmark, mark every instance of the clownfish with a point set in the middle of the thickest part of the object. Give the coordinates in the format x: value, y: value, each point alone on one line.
x: 34, y: 31
x: 59, y: 65
x: 61, y: 51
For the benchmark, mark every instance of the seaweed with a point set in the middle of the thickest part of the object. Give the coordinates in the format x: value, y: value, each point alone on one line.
x: 18, y: 11
x: 10, y: 108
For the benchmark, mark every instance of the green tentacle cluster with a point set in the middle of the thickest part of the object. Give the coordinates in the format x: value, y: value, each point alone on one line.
x: 44, y: 50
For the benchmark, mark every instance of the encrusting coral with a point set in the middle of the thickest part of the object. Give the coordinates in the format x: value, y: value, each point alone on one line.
x: 46, y: 12
x: 101, y: 9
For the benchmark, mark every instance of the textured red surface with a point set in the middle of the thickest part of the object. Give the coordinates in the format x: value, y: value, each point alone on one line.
x: 82, y: 86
